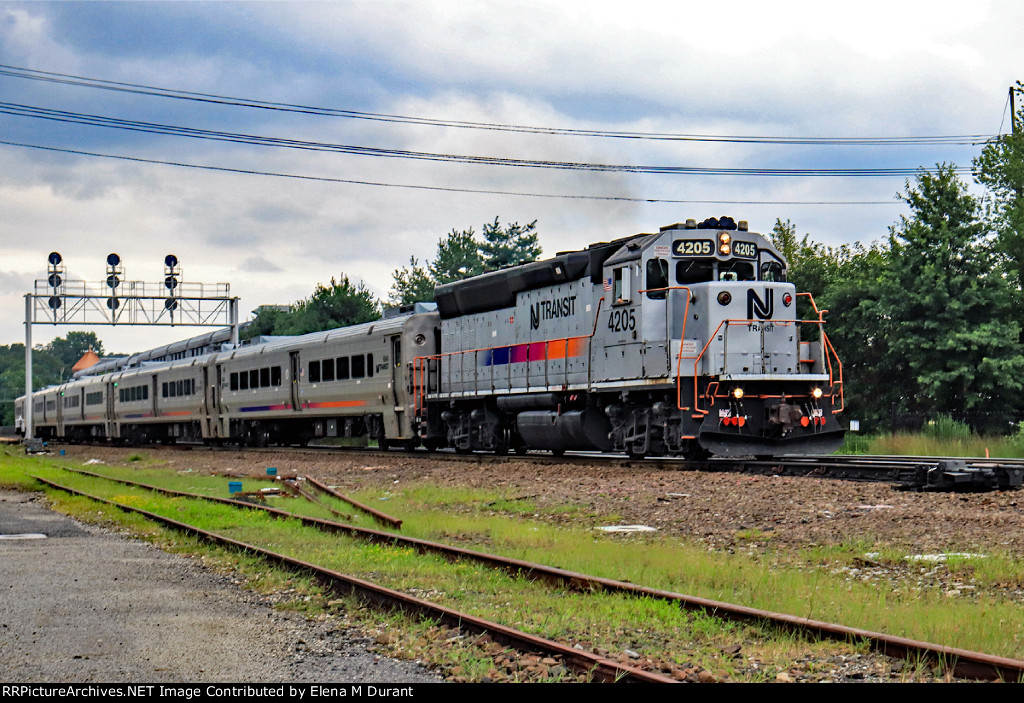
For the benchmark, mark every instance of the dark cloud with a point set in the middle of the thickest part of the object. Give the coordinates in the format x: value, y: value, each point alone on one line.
x: 257, y: 264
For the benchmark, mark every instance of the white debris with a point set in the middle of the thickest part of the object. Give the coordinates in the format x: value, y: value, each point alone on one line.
x: 943, y: 557
x: 627, y: 528
x: 27, y: 535
x: 95, y: 461
x: 930, y: 557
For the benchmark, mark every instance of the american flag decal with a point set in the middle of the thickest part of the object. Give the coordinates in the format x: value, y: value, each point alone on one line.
x: 607, y: 284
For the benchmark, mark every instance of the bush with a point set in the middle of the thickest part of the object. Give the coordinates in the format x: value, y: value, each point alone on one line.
x: 946, y: 428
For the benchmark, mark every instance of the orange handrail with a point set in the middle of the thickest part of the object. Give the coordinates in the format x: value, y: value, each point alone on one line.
x: 828, y: 353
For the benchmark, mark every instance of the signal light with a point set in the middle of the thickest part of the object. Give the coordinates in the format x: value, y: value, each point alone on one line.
x: 816, y: 393
x: 787, y: 300
x: 171, y: 304
x: 54, y: 302
x: 113, y: 281
x: 113, y: 259
x: 54, y: 280
x: 737, y: 393
x: 54, y: 258
x: 170, y: 261
x: 171, y: 282
x: 113, y: 303
x: 724, y: 247
x: 724, y: 298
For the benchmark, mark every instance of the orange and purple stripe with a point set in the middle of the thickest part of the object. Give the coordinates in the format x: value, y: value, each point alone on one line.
x: 534, y: 351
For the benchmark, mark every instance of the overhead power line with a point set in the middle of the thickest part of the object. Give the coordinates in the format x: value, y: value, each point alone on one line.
x: 449, y: 189
x: 257, y: 140
x: 155, y: 91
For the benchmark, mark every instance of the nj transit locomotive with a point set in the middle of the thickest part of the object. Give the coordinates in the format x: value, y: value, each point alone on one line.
x: 685, y: 342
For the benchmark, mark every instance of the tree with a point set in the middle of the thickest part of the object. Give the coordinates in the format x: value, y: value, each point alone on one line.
x: 947, y: 307
x: 1000, y: 168
x: 510, y: 246
x: 458, y: 257
x: 338, y: 305
x: 70, y: 349
x: 873, y: 376
x: 411, y: 285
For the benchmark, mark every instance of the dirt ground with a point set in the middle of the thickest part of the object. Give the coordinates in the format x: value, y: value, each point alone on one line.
x: 719, y: 509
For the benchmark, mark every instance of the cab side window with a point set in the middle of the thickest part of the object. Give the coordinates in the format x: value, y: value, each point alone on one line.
x: 620, y: 285
x: 772, y: 271
x: 657, y: 277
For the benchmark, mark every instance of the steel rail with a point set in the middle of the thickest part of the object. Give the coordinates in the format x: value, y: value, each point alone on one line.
x: 291, y: 485
x: 601, y: 668
x: 911, y: 471
x: 376, y: 514
x: 961, y: 662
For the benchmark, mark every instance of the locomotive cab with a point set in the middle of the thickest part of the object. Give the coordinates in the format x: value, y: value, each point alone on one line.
x: 745, y: 381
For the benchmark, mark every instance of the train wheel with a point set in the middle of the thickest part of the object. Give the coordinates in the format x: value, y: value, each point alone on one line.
x: 501, y: 442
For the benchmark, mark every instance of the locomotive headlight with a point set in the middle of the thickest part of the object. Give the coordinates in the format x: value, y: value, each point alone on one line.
x: 724, y: 298
x: 724, y: 246
x: 737, y: 393
x: 815, y: 393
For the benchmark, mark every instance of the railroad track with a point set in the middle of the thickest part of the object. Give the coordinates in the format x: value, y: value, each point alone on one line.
x: 958, y: 662
x: 922, y: 473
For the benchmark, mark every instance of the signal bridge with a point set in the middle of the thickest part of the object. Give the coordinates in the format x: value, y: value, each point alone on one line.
x: 132, y: 303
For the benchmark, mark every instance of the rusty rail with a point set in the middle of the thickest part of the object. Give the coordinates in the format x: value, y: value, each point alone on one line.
x: 377, y: 515
x: 601, y: 668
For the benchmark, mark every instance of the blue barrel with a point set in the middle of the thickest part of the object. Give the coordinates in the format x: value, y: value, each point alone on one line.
x: 272, y: 471
x: 234, y: 486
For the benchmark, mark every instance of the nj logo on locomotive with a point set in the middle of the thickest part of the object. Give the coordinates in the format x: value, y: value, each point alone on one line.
x: 551, y: 309
x: 762, y: 309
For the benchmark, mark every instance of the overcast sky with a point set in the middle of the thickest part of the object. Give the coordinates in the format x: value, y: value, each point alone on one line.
x: 892, y: 69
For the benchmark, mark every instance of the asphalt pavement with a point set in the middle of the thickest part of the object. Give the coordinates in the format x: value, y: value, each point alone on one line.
x: 81, y: 604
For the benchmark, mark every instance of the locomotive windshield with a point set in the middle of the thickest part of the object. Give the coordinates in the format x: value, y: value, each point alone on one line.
x: 735, y: 271
x: 707, y: 270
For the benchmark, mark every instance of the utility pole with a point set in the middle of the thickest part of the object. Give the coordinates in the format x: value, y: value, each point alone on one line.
x: 1013, y: 112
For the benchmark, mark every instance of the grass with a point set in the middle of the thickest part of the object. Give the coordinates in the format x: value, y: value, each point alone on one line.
x: 945, y: 437
x: 801, y: 584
